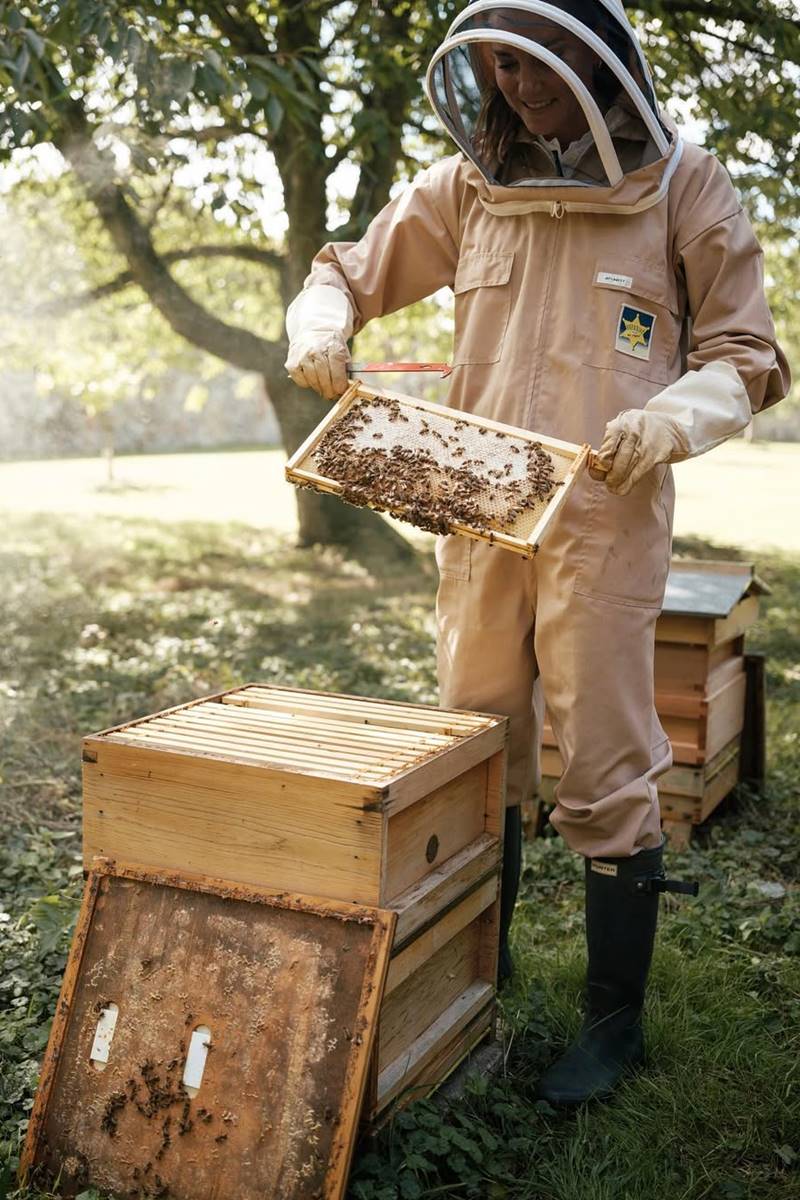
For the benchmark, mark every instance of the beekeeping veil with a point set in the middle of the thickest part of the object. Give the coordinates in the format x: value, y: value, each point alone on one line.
x: 462, y: 85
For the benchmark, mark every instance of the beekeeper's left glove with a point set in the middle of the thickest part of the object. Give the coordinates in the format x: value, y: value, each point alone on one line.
x: 319, y: 321
x: 698, y: 412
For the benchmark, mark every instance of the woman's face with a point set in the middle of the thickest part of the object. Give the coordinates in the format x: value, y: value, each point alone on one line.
x: 544, y: 101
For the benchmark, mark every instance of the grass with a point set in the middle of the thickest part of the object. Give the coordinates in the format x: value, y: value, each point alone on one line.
x: 113, y: 617
x: 743, y: 492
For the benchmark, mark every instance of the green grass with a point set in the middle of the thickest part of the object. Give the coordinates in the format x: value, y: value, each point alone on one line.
x: 110, y: 618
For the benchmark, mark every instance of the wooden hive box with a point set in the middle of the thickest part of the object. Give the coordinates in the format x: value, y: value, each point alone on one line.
x: 366, y: 801
x: 709, y: 604
x: 701, y: 686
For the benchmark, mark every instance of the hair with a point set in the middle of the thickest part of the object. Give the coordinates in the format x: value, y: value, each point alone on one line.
x: 498, y: 124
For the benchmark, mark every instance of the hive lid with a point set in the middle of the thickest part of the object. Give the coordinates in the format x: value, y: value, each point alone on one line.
x: 283, y: 990
x: 353, y: 738
x: 700, y: 588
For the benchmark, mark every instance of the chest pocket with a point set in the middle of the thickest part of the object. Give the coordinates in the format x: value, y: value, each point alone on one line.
x: 482, y: 289
x: 633, y: 320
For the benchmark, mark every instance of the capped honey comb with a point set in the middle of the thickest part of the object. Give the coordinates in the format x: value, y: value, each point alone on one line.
x: 437, y: 468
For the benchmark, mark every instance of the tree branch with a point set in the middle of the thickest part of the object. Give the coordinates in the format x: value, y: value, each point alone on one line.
x: 721, y: 10
x: 213, y: 133
x: 133, y: 241
x: 266, y: 258
x: 245, y: 34
x: 388, y: 96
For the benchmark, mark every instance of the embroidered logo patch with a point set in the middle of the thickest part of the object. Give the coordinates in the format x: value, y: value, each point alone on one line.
x: 635, y: 331
x: 602, y: 868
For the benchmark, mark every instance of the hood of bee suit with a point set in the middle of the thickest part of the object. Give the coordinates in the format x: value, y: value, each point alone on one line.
x: 554, y: 106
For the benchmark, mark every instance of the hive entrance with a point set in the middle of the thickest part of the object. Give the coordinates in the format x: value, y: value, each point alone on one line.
x: 438, y: 469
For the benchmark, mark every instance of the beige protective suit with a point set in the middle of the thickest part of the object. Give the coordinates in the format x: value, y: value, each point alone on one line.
x: 541, y: 278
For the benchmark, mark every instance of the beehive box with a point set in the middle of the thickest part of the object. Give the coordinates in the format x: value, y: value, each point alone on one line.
x: 709, y: 604
x: 438, y: 468
x: 367, y: 801
x: 701, y: 689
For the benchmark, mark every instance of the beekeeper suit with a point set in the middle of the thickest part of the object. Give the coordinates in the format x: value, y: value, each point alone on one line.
x: 608, y: 289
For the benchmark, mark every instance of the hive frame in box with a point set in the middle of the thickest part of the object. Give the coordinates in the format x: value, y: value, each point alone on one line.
x: 303, y: 476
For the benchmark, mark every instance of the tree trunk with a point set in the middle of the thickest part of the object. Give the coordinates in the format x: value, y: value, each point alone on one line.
x: 326, y: 519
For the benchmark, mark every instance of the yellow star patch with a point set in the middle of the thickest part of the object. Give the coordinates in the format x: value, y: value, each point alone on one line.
x: 635, y: 332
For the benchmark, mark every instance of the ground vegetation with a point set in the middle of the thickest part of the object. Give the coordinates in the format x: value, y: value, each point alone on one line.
x: 114, y: 618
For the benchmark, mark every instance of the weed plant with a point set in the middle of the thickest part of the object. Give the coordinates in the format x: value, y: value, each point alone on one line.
x: 107, y: 622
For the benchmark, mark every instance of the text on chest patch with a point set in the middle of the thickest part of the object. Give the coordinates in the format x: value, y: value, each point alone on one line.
x: 635, y: 331
x: 612, y: 279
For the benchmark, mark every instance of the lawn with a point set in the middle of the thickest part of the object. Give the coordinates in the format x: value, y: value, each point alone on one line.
x: 747, y: 494
x: 181, y: 579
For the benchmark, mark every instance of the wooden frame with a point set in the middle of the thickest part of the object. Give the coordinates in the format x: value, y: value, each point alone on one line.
x: 375, y: 951
x: 302, y: 476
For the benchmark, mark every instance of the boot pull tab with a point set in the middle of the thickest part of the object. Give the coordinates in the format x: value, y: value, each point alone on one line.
x: 648, y: 885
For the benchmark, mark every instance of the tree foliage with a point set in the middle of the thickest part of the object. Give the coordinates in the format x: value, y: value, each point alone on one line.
x: 209, y: 114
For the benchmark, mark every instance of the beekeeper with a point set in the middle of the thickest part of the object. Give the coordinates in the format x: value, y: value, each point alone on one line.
x: 608, y: 289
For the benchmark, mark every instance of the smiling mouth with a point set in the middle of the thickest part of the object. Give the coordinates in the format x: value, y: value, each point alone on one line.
x: 539, y: 105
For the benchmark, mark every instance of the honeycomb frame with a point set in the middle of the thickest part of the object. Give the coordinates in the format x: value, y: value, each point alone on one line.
x: 523, y: 536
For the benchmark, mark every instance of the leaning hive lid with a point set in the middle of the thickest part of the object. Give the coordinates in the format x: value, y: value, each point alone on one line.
x: 334, y: 736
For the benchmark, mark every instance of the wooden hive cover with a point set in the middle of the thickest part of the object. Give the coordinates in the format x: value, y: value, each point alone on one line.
x: 286, y: 990
x: 709, y: 603
x: 705, y: 588
x: 438, y: 468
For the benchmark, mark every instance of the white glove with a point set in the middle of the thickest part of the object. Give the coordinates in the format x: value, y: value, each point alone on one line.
x: 319, y: 321
x: 695, y: 414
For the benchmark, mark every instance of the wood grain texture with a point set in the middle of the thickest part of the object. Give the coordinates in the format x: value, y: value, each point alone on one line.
x: 289, y: 990
x: 436, y: 1068
x: 687, y: 782
x: 453, y: 815
x: 698, y: 725
x: 698, y: 809
x: 428, y: 943
x: 429, y: 897
x: 428, y: 992
x: 680, y: 667
x: 426, y: 776
x: 411, y: 1069
x: 708, y: 631
x: 251, y: 824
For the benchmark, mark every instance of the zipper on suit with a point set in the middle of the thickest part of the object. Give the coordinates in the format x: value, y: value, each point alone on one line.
x: 558, y: 212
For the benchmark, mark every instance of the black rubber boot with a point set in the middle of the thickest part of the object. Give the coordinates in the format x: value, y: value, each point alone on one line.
x: 621, y: 913
x: 509, y: 886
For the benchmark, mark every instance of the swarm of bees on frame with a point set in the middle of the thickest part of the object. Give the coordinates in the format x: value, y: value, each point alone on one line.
x: 429, y: 479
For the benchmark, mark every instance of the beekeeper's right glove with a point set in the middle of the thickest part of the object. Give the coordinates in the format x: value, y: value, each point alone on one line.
x: 696, y: 413
x: 319, y: 321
